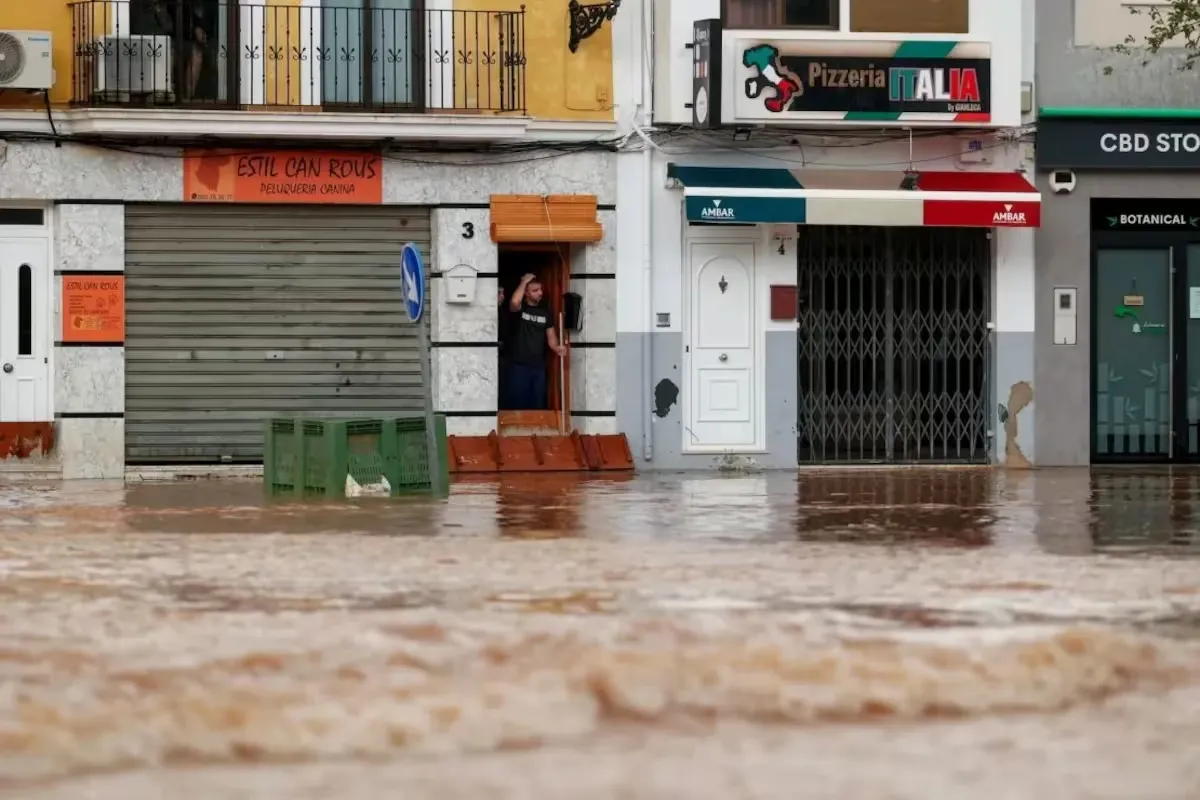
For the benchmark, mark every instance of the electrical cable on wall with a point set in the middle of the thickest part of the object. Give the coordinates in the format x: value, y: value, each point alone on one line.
x: 50, y: 118
x: 519, y: 153
x: 675, y: 141
x: 707, y: 143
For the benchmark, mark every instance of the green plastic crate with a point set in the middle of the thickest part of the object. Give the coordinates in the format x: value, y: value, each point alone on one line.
x: 312, y: 457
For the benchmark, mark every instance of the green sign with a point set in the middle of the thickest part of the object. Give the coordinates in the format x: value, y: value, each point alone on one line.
x: 1153, y: 221
x: 745, y: 210
x: 1125, y: 312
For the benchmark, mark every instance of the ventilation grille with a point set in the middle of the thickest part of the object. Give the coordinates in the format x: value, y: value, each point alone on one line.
x: 12, y: 58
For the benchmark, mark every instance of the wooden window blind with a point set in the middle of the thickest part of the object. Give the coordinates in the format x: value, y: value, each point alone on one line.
x: 909, y: 16
x: 554, y: 218
x: 779, y: 13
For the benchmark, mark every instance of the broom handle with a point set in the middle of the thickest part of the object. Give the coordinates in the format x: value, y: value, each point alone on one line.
x: 562, y: 378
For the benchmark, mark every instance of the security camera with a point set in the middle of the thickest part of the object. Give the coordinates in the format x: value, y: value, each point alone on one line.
x: 1062, y: 181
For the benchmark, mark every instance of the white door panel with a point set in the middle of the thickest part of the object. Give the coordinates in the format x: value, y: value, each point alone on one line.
x: 724, y: 395
x: 721, y: 340
x: 24, y: 331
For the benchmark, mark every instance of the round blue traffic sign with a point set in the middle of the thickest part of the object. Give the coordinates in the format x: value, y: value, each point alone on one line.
x: 412, y: 281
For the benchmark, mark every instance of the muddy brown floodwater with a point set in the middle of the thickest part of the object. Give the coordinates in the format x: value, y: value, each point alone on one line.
x: 909, y: 634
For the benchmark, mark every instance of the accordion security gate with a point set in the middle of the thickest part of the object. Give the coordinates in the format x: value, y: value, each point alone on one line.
x: 893, y: 345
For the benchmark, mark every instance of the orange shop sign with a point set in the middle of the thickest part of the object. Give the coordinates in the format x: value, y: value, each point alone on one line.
x: 240, y: 176
x: 93, y: 309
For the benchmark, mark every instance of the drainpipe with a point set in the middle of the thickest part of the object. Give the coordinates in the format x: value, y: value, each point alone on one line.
x: 647, y: 119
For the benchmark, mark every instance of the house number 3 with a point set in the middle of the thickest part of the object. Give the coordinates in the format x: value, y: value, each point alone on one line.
x: 468, y: 230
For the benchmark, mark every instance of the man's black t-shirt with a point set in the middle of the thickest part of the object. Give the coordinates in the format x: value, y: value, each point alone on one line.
x: 526, y: 340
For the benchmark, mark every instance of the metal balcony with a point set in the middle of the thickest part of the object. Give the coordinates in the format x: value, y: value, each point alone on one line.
x: 226, y: 54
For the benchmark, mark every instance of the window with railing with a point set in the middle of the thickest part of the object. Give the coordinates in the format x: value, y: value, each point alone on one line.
x: 866, y: 16
x: 384, y: 55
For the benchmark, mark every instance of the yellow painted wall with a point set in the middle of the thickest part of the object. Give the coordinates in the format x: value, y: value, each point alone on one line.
x: 559, y: 84
x: 286, y: 27
x: 42, y: 15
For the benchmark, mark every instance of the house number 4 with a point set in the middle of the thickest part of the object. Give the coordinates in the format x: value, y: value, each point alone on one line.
x: 468, y: 230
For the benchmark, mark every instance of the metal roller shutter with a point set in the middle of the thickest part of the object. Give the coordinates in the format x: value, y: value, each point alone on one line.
x: 239, y: 313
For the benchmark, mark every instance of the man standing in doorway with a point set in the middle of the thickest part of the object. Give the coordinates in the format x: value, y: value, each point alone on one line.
x: 531, y: 331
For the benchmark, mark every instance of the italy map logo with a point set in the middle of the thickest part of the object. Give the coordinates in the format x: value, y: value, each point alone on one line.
x: 771, y: 75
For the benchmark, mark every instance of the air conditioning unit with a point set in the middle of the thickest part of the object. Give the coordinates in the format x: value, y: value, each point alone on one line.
x: 25, y: 61
x: 131, y: 67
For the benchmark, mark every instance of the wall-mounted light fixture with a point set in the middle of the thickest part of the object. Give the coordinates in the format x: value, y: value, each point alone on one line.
x: 587, y: 19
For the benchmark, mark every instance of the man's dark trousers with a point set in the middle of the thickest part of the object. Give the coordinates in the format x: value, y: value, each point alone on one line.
x: 526, y: 385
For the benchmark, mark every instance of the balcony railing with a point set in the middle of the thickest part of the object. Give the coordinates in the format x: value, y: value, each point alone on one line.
x: 230, y: 54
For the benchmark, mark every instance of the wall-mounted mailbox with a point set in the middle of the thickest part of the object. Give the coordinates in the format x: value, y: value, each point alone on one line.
x: 1066, y: 315
x: 460, y: 283
x: 784, y: 305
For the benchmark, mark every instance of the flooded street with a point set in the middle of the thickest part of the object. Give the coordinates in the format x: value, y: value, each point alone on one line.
x: 854, y: 634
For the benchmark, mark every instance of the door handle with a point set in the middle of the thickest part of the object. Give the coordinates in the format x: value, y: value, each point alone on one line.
x: 8, y: 368
x: 722, y: 357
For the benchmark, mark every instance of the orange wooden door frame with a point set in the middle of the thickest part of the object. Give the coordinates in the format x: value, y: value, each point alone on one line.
x: 555, y: 281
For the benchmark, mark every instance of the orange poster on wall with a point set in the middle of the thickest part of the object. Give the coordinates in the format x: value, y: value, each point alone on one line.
x: 93, y: 309
x: 224, y: 176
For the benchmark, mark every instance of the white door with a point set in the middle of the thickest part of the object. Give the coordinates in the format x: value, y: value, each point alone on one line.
x: 721, y: 343
x: 24, y: 331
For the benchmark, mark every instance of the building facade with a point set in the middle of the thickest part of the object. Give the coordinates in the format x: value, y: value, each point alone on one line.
x: 1118, y: 254
x: 202, y: 213
x: 826, y: 250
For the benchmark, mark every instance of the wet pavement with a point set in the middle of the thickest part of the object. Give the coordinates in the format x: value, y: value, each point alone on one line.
x: 846, y: 634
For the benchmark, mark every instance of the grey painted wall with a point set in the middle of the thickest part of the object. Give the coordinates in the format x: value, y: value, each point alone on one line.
x: 1074, y: 76
x: 1063, y: 252
x: 1012, y: 374
x: 667, y: 424
x: 1010, y: 371
x: 1071, y: 76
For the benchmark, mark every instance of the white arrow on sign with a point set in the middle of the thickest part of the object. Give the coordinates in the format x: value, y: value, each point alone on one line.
x: 411, y: 280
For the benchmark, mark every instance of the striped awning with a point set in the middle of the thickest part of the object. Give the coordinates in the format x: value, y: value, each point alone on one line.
x: 734, y: 195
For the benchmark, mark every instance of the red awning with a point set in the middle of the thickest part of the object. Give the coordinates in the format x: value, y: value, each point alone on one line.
x: 1014, y: 202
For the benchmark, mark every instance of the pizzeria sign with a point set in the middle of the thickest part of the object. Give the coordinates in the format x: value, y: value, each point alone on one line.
x: 797, y: 80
